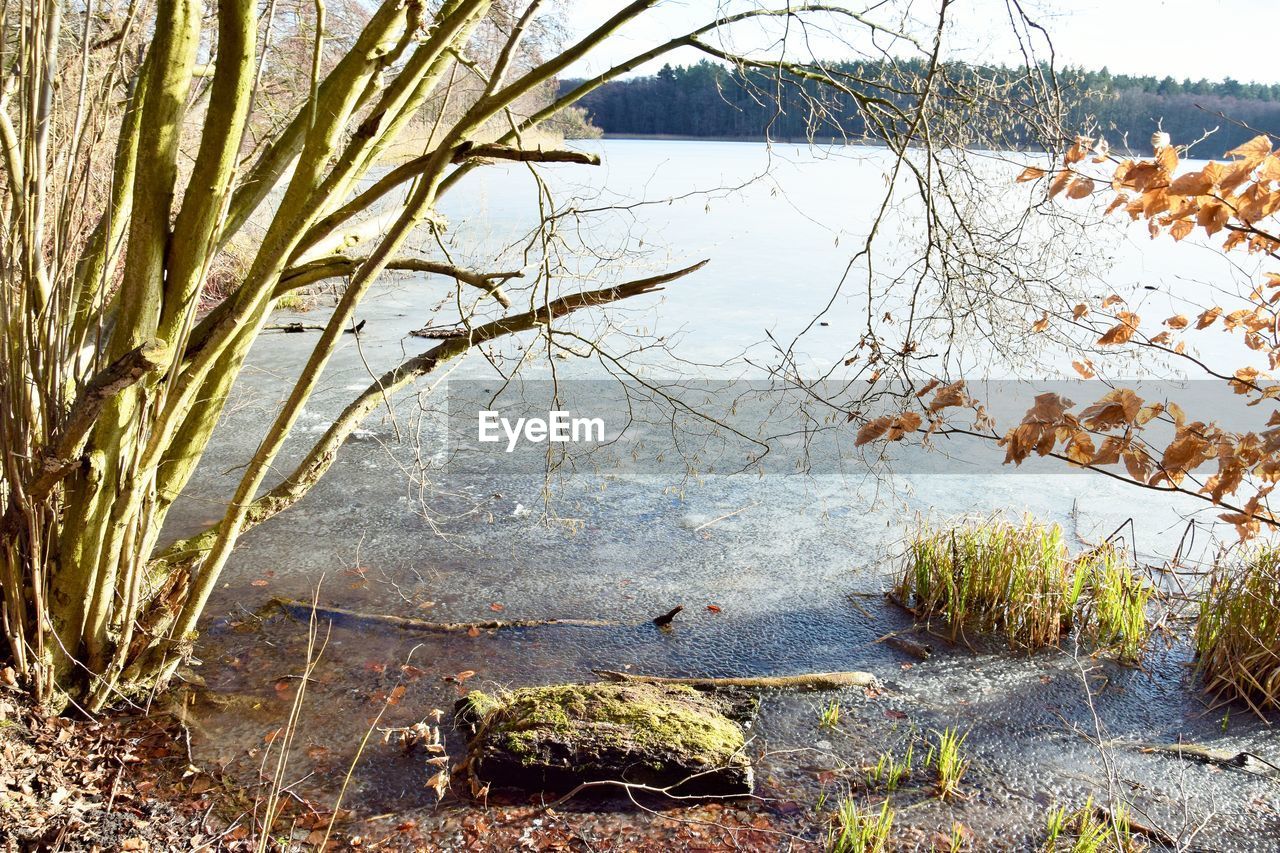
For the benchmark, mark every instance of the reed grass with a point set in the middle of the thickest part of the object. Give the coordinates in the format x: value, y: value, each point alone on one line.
x: 858, y: 831
x: 946, y: 756
x: 1237, y: 636
x: 1115, y: 599
x: 1019, y: 582
x: 993, y: 577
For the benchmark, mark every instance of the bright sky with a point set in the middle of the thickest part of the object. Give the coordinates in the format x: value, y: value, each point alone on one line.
x: 1182, y: 38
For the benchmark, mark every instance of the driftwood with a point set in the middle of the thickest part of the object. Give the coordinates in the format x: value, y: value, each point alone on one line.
x: 1155, y: 833
x: 920, y: 651
x: 893, y: 598
x: 1246, y: 761
x: 805, y: 682
x: 299, y: 327
x: 302, y: 610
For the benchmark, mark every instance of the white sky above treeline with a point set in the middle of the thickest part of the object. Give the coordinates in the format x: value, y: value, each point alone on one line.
x: 1214, y: 39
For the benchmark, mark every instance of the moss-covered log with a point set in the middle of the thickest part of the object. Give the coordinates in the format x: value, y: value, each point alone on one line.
x: 670, y: 738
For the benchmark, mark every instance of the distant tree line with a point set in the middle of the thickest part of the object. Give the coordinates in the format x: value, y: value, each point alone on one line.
x: 712, y: 100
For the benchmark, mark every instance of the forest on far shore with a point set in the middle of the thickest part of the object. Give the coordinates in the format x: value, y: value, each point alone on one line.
x: 710, y: 100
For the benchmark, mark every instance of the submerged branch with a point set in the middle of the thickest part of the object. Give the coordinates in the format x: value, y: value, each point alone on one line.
x: 304, y: 609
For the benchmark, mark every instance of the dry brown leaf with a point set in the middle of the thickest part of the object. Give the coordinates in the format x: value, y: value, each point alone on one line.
x: 1080, y: 448
x: 1183, y: 455
x: 929, y: 386
x: 947, y: 396
x: 1192, y: 184
x: 872, y: 430
x: 1047, y: 409
x: 1123, y: 331
x: 1254, y: 151
x: 1244, y: 380
x: 1080, y: 188
x: 1116, y: 407
x: 1118, y: 202
x: 1059, y: 183
x: 1207, y: 317
x: 439, y: 783
x: 1110, y: 452
x: 1137, y: 464
x: 904, y: 424
x: 1213, y: 217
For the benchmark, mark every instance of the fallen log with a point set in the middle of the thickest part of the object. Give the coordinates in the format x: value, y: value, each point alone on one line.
x: 671, y: 739
x: 340, y: 615
x: 298, y: 327
x: 1246, y: 761
x: 805, y: 682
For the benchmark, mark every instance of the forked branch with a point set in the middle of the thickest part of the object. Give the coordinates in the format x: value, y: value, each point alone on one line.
x: 321, y: 457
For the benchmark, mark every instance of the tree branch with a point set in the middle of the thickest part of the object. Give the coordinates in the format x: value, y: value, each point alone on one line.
x: 413, y: 168
x: 339, y: 265
x: 321, y: 457
x: 62, y: 455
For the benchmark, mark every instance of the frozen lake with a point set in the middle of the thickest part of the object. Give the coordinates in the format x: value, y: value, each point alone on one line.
x: 411, y: 522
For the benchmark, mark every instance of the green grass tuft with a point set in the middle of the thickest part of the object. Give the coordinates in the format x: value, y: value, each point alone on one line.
x: 889, y: 771
x: 829, y: 717
x: 1019, y: 582
x: 1238, y: 633
x: 1115, y: 602
x: 856, y: 831
x: 946, y: 757
x: 292, y: 301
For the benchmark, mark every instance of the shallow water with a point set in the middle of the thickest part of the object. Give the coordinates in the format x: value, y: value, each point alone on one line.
x: 795, y: 563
